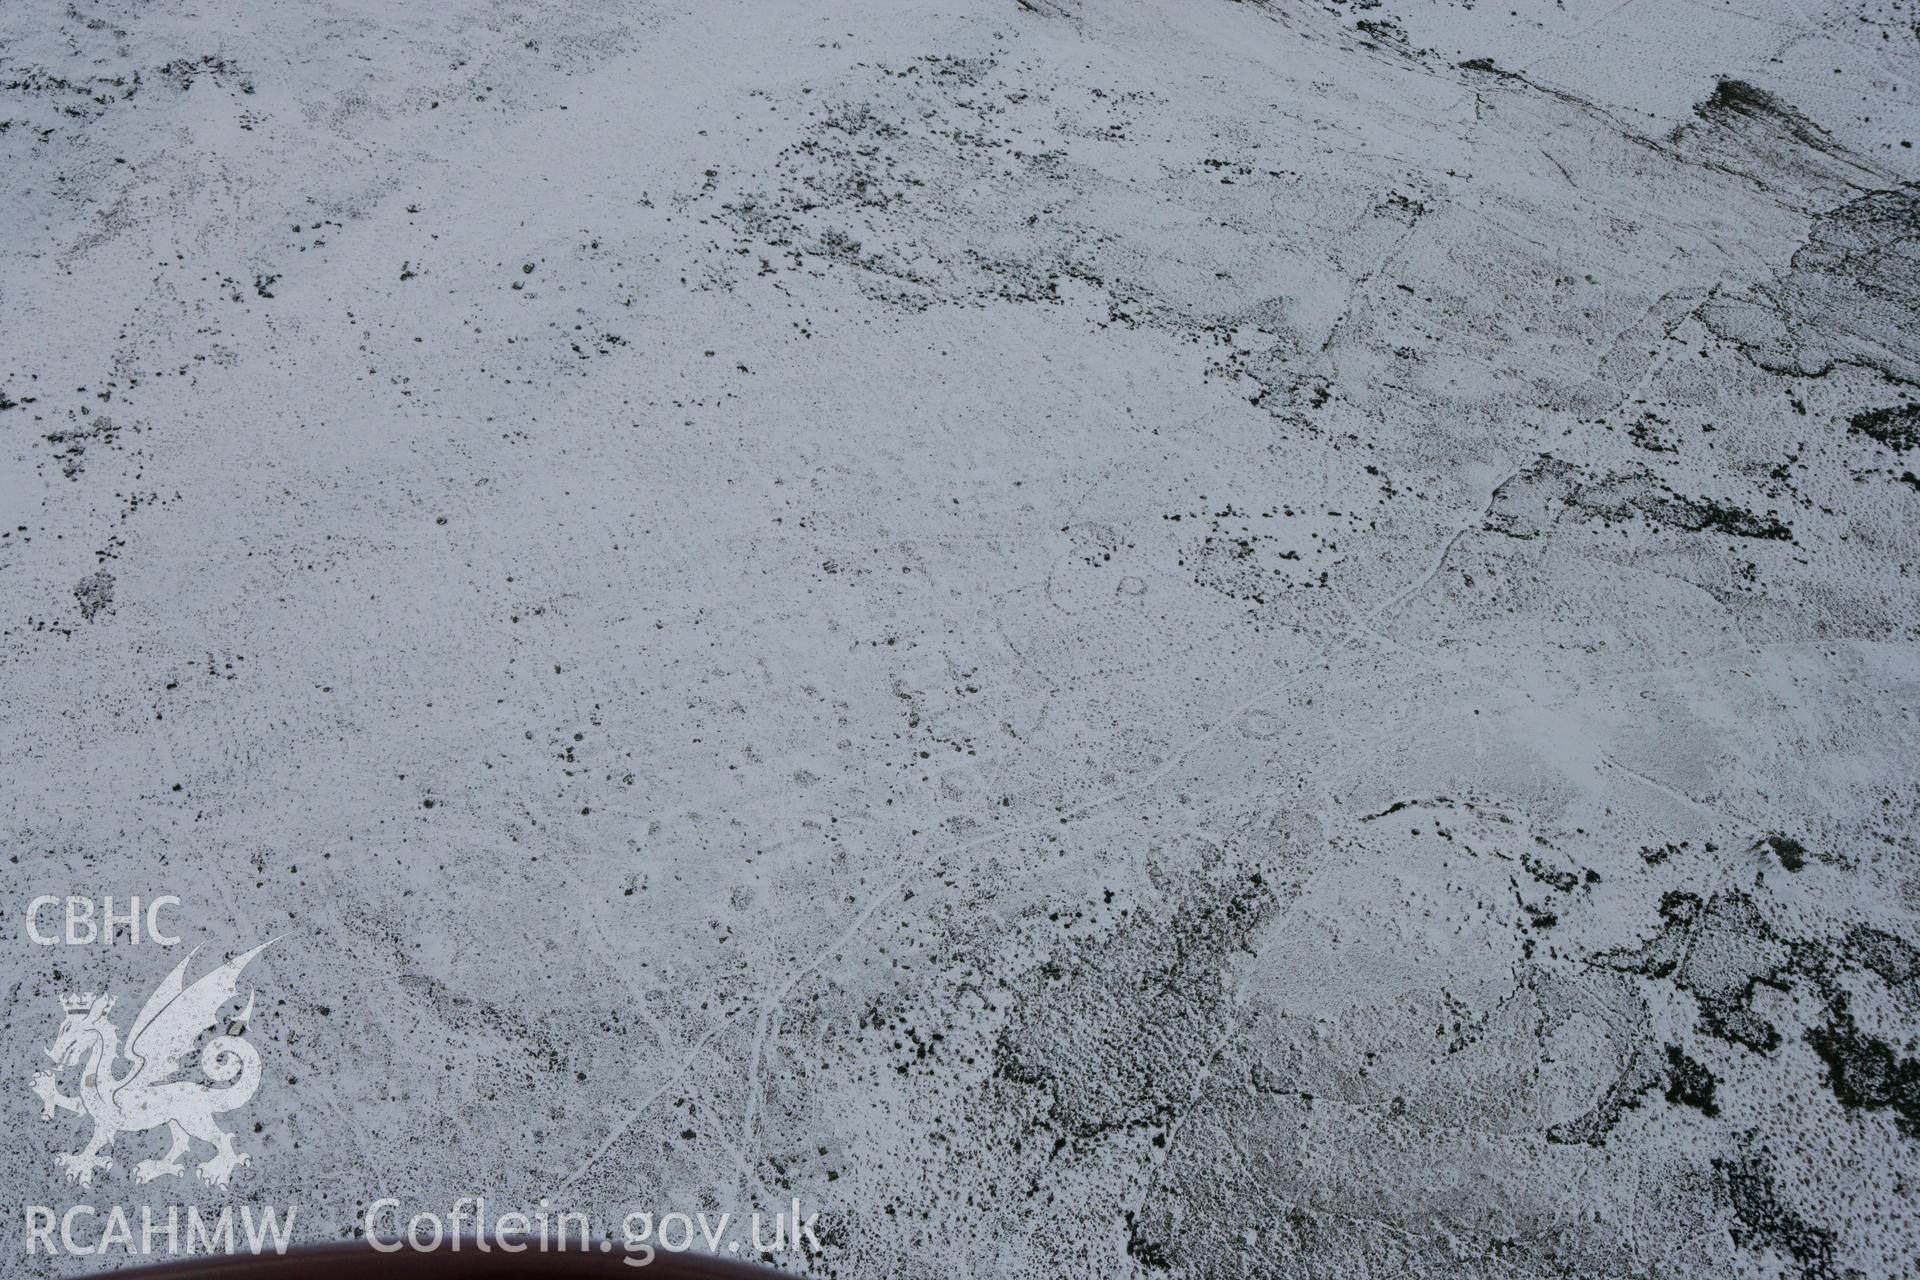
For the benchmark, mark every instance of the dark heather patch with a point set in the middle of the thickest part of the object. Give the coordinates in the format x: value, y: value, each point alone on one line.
x: 1719, y: 952
x: 1762, y: 1221
x: 1898, y: 427
x: 1792, y: 854
x: 1895, y: 960
x: 1697, y: 516
x: 1623, y: 495
x: 95, y: 593
x: 1689, y: 1083
x: 1864, y: 1072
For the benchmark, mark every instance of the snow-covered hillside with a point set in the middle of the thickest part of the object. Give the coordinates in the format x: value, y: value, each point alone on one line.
x: 1100, y: 638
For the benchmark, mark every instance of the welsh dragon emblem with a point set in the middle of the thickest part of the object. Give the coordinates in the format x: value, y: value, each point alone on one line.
x: 148, y: 1094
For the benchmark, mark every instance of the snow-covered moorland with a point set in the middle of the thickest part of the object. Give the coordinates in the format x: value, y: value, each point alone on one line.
x: 1099, y: 638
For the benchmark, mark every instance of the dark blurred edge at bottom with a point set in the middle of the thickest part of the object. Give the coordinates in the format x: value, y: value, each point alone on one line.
x: 363, y: 1262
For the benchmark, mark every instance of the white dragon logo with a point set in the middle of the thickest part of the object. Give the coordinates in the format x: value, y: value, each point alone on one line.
x: 147, y: 1096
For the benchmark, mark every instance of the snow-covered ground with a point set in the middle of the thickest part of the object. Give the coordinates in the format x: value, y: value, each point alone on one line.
x: 1099, y: 638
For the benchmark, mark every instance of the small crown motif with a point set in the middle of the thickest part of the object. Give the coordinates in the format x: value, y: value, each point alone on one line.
x: 77, y: 1001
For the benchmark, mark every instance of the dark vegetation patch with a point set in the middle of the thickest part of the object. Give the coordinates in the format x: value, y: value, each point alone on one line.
x: 1720, y: 952
x: 1762, y: 1220
x: 1706, y: 514
x: 1560, y: 878
x: 1653, y: 857
x: 1524, y: 506
x: 1737, y: 97
x: 182, y: 72
x: 95, y: 593
x: 1864, y: 1072
x: 1895, y: 960
x: 1897, y: 427
x: 1689, y: 1083
x: 1734, y: 102
x: 70, y: 445
x: 1792, y: 854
